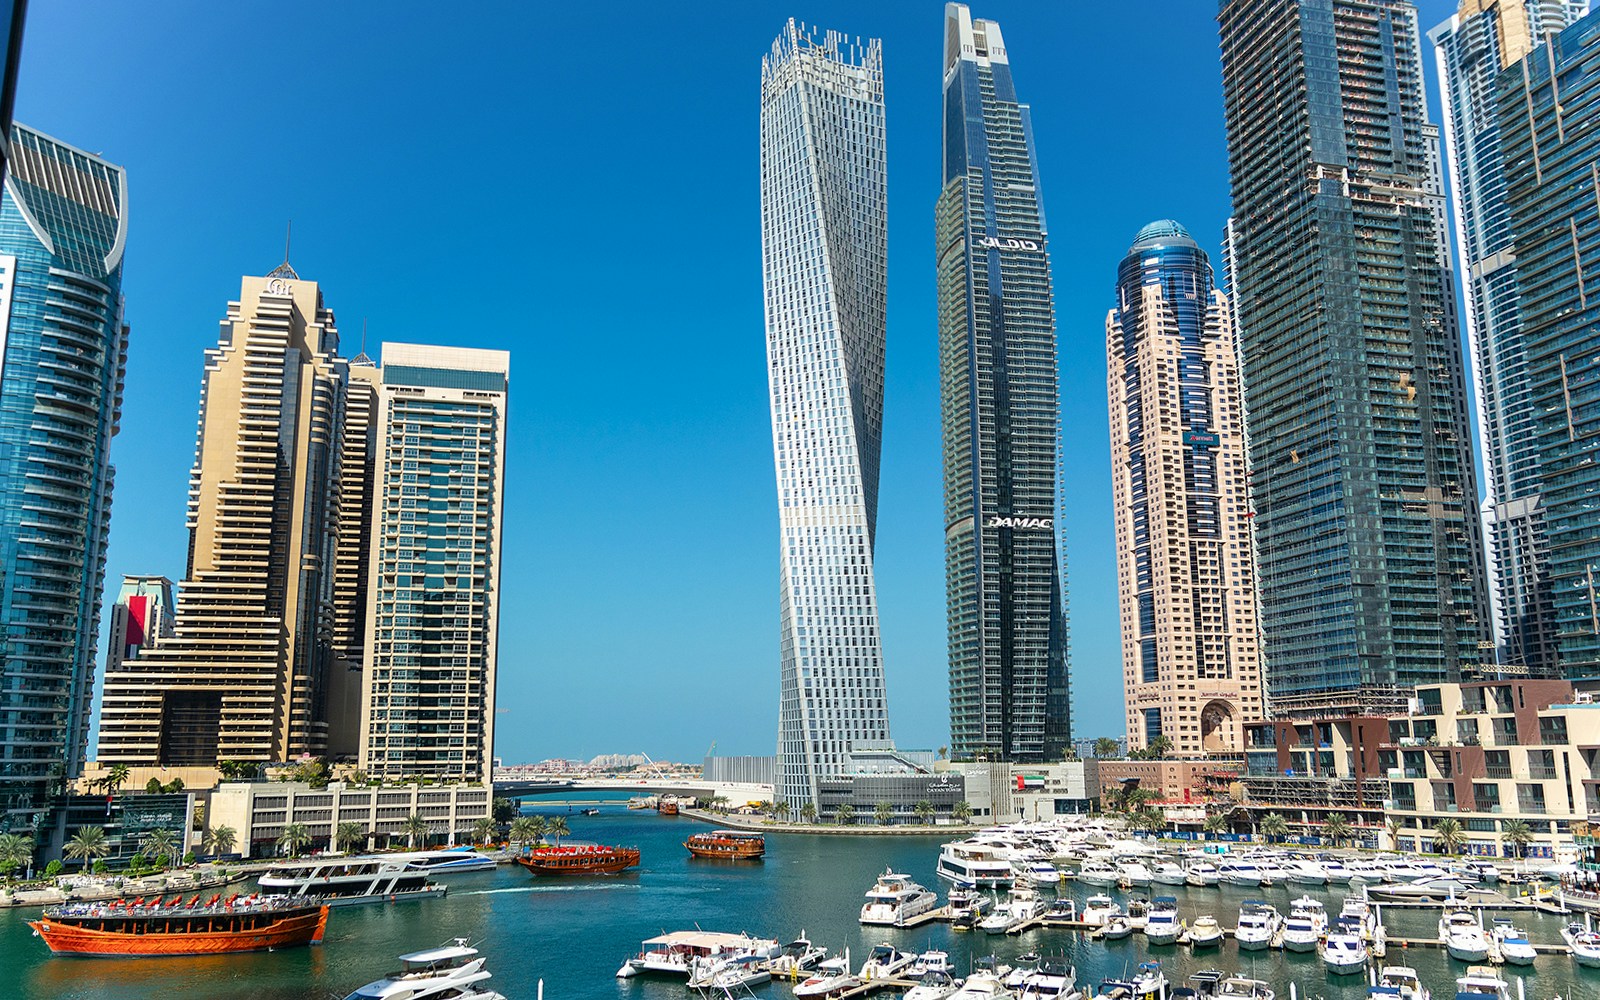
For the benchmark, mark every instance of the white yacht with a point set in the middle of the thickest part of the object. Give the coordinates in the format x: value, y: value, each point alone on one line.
x: 1429, y: 889
x: 968, y: 906
x: 831, y: 978
x: 1099, y: 908
x: 675, y: 953
x: 1482, y: 983
x: 1040, y: 873
x: 1054, y: 979
x: 1134, y: 873
x: 1344, y: 950
x: 1205, y: 932
x: 729, y: 974
x: 884, y: 961
x: 1241, y: 872
x: 1461, y: 932
x: 1118, y: 927
x: 932, y: 960
x: 932, y: 986
x: 1338, y: 872
x: 798, y: 956
x: 1098, y: 873
x: 1202, y: 874
x: 894, y: 899
x: 974, y: 865
x: 1398, y: 982
x: 1019, y: 907
x: 1258, y: 923
x: 982, y: 985
x: 454, y: 972
x: 1167, y: 873
x: 1308, y: 920
x: 1366, y: 870
x: 445, y: 862
x: 1304, y: 871
x: 1147, y: 983
x: 343, y: 881
x: 1241, y: 988
x: 1513, y: 944
x: 1161, y: 927
x: 1583, y: 944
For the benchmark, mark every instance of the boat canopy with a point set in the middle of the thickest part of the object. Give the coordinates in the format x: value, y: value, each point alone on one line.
x: 433, y: 956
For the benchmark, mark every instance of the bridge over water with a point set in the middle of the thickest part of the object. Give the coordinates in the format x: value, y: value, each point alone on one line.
x: 735, y: 793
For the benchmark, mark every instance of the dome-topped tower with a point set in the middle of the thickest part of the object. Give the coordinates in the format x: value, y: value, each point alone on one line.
x: 1163, y: 232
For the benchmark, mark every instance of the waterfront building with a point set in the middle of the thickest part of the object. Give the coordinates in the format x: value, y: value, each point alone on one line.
x: 998, y: 792
x: 1191, y: 667
x: 245, y: 674
x: 740, y: 770
x: 875, y: 774
x: 141, y: 617
x: 1308, y: 769
x: 1548, y: 103
x: 63, y: 353
x: 259, y: 810
x: 1472, y: 48
x: 1004, y: 590
x: 433, y: 590
x: 1367, y: 534
x: 358, y: 463
x: 824, y: 251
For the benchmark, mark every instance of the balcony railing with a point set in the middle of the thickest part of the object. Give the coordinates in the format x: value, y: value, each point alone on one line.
x: 1493, y: 771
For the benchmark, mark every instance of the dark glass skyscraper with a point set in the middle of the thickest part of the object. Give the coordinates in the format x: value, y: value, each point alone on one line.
x: 1367, y: 517
x: 1006, y: 599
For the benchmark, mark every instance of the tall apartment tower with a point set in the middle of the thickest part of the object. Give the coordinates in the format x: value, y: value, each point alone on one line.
x: 357, y: 465
x: 1367, y: 532
x: 824, y: 248
x: 433, y: 588
x: 1005, y: 597
x: 245, y: 675
x: 1549, y: 104
x: 141, y: 619
x: 1472, y: 48
x: 63, y: 351
x: 1191, y: 660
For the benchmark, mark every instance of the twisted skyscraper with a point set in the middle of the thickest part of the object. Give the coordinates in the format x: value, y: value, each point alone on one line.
x: 824, y: 246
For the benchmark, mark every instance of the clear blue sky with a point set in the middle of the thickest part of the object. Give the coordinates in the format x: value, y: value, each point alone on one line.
x: 578, y: 184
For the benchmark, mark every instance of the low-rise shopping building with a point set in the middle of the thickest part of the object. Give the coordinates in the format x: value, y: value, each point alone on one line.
x: 258, y: 811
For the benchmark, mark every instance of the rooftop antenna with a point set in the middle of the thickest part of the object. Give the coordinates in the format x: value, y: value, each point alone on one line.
x: 285, y: 270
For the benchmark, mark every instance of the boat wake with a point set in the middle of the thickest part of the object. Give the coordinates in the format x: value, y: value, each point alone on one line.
x: 549, y: 888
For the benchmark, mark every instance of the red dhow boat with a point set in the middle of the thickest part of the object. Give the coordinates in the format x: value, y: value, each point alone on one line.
x: 145, y: 929
x: 579, y: 860
x: 735, y: 844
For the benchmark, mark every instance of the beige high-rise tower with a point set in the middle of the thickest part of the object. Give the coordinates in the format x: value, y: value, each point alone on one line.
x: 1185, y: 574
x: 246, y: 674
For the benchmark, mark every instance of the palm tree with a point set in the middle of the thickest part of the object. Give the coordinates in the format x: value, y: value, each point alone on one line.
x: 780, y: 809
x: 1159, y: 747
x: 483, y: 830
x: 348, y: 834
x: 523, y: 831
x: 159, y: 844
x: 808, y: 812
x: 89, y: 843
x: 1274, y: 826
x: 15, y: 852
x: 116, y: 777
x: 1337, y: 829
x: 294, y: 839
x: 1105, y: 747
x: 883, y: 812
x: 1217, y: 823
x: 1149, y: 819
x: 923, y: 810
x: 1394, y: 827
x: 1517, y: 833
x: 1447, y: 833
x: 219, y: 840
x: 961, y: 811
x: 845, y: 814
x: 558, y: 828
x: 416, y: 830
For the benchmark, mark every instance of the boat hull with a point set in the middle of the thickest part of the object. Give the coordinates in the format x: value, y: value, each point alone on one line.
x: 1468, y: 953
x: 288, y: 931
x: 740, y: 853
x: 605, y: 862
x: 1301, y: 946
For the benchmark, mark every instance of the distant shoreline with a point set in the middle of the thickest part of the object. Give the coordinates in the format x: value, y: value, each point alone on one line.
x: 737, y: 822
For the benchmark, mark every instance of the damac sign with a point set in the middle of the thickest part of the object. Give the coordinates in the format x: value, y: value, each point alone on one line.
x: 1007, y: 243
x: 996, y: 521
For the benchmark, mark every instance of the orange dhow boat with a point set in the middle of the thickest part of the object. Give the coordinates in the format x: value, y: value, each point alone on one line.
x: 138, y: 929
x: 579, y: 860
x: 735, y: 844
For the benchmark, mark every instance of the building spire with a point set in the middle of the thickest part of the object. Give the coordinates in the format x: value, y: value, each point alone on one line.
x: 284, y: 270
x: 361, y: 359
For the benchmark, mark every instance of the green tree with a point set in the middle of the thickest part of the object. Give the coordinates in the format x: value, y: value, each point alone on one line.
x: 1105, y: 747
x: 1394, y: 826
x: 313, y: 772
x: 416, y: 830
x: 882, y: 813
x: 808, y: 812
x: 1274, y: 826
x: 15, y: 852
x: 780, y: 809
x: 523, y: 831
x: 349, y: 834
x: 159, y: 844
x: 1149, y: 819
x: 483, y: 831
x: 845, y: 815
x: 1158, y: 747
x: 504, y: 810
x: 558, y: 828
x: 1447, y: 834
x: 220, y: 840
x: 1518, y: 834
x: 294, y: 839
x: 944, y: 753
x: 923, y: 810
x: 116, y: 777
x: 153, y: 786
x: 1069, y: 754
x: 238, y: 770
x: 1337, y: 829
x: 87, y: 844
x: 1217, y: 823
x: 54, y: 868
x: 961, y: 812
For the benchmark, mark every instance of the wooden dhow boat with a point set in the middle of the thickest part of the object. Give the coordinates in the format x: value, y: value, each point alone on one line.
x: 217, y: 927
x: 735, y: 844
x: 575, y: 859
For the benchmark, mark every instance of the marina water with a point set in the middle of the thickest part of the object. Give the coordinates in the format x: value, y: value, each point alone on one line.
x: 573, y: 933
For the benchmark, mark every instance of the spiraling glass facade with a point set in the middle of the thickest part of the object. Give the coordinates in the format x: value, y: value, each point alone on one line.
x: 63, y: 227
x: 1549, y: 107
x: 1185, y: 577
x: 1471, y: 48
x: 1367, y: 531
x: 824, y: 247
x: 1004, y: 591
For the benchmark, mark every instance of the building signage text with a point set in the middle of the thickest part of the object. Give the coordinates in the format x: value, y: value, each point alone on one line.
x: 997, y: 521
x: 1007, y: 243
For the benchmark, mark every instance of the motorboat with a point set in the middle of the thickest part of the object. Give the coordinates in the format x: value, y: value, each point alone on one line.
x: 884, y: 961
x: 1307, y: 922
x: 968, y: 905
x: 1243, y: 988
x: 1205, y: 932
x: 1098, y: 909
x: 1040, y: 873
x: 452, y: 861
x: 1304, y: 871
x: 1054, y: 979
x: 1161, y: 927
x: 1358, y: 912
x: 1338, y: 873
x: 1461, y: 932
x: 344, y: 881
x: 677, y: 952
x: 1429, y: 889
x: 1138, y: 912
x: 453, y: 972
x: 798, y: 956
x: 932, y: 960
x: 1202, y: 874
x: 1271, y: 872
x: 1167, y: 873
x: 982, y: 985
x: 1206, y: 982
x: 1246, y: 873
x: 1583, y: 944
x: 826, y: 984
x: 1258, y: 923
x: 1147, y: 983
x: 972, y: 864
x: 1399, y: 982
x: 932, y: 986
x: 1098, y: 873
x: 1134, y: 873
x: 1344, y: 950
x: 729, y: 975
x: 1482, y: 983
x: 1019, y: 907
x: 1062, y: 909
x: 1366, y: 872
x: 895, y: 899
x: 1118, y: 927
x: 1512, y: 943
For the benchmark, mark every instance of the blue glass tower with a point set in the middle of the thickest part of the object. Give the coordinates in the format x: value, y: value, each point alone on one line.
x: 1005, y: 596
x: 63, y: 227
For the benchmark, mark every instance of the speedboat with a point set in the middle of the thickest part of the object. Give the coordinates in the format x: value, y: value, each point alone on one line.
x: 1308, y: 919
x: 798, y: 956
x: 1098, y: 873
x: 1167, y: 873
x: 1205, y: 932
x: 1258, y: 922
x: 1400, y: 983
x: 1583, y: 944
x: 826, y: 984
x: 1161, y: 927
x: 1512, y: 943
x: 967, y: 905
x: 1482, y: 983
x: 1366, y: 871
x: 454, y: 971
x: 1338, y: 873
x: 1343, y: 950
x: 1202, y: 874
x: 1428, y: 889
x: 884, y: 961
x: 1054, y: 979
x: 1461, y: 932
x: 1241, y: 988
x: 895, y: 899
x: 1147, y: 983
x: 932, y: 986
x: 729, y: 975
x: 982, y: 985
x: 1118, y: 927
x: 1098, y: 909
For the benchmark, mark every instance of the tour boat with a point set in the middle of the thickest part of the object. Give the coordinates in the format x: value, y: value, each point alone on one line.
x: 142, y: 929
x: 1584, y: 944
x: 1399, y: 982
x: 1513, y: 943
x: 1482, y: 983
x: 895, y: 899
x: 1308, y: 919
x: 675, y: 953
x: 1161, y: 927
x: 1205, y: 932
x: 445, y: 862
x: 735, y: 845
x: 1343, y: 950
x: 579, y: 859
x: 1461, y: 932
x: 667, y: 807
x: 974, y: 865
x: 346, y: 881
x: 453, y: 972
